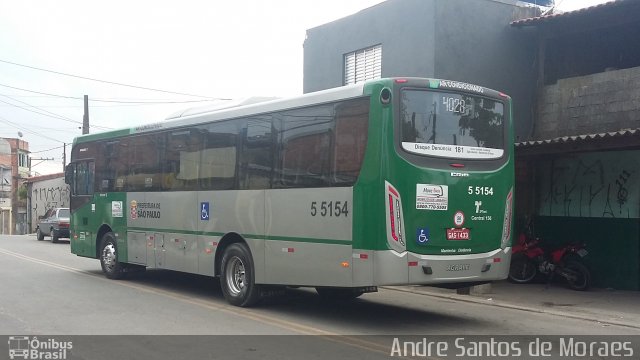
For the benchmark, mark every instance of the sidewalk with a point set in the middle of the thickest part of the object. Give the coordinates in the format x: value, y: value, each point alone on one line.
x: 615, y: 307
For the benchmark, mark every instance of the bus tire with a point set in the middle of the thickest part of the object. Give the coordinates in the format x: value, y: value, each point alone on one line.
x: 338, y: 294
x: 237, y: 276
x: 111, y: 267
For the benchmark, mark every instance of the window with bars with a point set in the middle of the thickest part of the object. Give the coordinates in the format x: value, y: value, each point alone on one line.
x: 363, y: 65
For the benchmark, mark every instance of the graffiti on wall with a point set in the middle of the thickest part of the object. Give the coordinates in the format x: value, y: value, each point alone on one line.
x: 591, y: 185
x: 47, y: 195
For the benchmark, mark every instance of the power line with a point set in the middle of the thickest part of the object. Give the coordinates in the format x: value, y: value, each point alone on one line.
x: 105, y: 81
x: 156, y: 102
x: 135, y: 101
x: 28, y: 130
x: 47, y: 113
x: 41, y: 93
x: 54, y: 148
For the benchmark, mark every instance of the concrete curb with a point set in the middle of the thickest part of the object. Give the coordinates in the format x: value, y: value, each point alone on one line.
x: 507, y: 305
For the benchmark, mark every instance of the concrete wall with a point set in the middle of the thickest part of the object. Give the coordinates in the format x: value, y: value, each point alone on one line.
x: 464, y: 40
x: 405, y: 28
x: 47, y: 194
x: 607, y: 101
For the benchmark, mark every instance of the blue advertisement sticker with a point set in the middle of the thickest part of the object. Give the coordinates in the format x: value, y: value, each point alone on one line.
x: 422, y: 236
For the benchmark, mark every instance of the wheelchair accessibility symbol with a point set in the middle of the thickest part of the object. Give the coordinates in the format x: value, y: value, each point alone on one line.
x: 204, y: 211
x: 422, y: 236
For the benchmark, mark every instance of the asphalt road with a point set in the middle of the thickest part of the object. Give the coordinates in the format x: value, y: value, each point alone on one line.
x: 46, y: 290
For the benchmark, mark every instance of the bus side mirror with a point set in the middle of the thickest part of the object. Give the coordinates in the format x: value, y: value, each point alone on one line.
x: 68, y: 174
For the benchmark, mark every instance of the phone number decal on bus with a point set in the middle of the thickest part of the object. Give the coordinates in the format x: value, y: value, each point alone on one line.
x: 432, y: 197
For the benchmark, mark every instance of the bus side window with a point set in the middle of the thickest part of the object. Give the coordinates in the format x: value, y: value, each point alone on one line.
x: 352, y: 121
x: 144, y: 162
x: 181, y: 160
x: 304, y: 148
x: 218, y: 157
x: 256, y: 158
x: 107, y: 161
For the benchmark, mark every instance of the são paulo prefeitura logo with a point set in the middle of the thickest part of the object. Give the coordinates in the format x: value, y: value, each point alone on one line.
x: 24, y: 347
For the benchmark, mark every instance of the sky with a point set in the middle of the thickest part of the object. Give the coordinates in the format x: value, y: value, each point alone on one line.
x: 195, y: 52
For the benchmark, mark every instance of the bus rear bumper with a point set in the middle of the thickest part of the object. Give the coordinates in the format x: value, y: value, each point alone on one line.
x: 409, y: 268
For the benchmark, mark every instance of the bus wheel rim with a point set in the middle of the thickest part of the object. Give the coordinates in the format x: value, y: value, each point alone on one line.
x: 236, y: 280
x: 109, y: 256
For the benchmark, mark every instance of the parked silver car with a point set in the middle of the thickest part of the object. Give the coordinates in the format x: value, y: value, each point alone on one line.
x: 54, y: 223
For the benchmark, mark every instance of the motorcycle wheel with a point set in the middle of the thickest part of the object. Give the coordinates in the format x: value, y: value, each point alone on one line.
x: 522, y: 270
x: 578, y: 276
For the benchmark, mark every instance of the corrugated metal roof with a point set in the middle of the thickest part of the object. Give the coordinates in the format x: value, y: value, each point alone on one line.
x: 624, y: 133
x: 534, y: 21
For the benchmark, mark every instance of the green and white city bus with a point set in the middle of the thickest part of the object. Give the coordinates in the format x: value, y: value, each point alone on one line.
x: 387, y: 182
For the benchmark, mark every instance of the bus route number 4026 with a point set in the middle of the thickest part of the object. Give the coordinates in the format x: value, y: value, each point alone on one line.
x: 329, y: 208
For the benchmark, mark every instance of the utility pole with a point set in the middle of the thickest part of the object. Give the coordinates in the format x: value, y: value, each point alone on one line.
x: 64, y: 156
x: 85, y: 118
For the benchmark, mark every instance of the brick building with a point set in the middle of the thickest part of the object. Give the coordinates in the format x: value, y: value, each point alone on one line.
x: 14, y: 167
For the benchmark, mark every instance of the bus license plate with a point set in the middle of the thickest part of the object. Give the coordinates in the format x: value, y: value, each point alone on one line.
x: 458, y: 234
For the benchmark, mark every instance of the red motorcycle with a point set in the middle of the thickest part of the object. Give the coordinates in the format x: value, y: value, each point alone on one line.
x: 529, y: 259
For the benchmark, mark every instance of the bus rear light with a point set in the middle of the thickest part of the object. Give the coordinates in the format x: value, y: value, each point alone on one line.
x: 503, y: 95
x: 497, y: 260
x: 395, y: 234
x: 506, y: 225
x: 345, y: 264
x: 413, y: 263
x: 401, y: 81
x: 392, y: 219
x: 457, y: 165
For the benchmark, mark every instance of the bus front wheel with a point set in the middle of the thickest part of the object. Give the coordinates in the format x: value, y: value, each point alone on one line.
x: 237, y: 277
x: 109, y: 257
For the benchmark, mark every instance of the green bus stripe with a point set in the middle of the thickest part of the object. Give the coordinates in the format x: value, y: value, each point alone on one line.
x: 248, y: 236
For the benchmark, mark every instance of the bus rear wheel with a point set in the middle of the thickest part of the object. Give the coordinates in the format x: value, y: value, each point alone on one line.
x: 237, y: 277
x: 109, y: 257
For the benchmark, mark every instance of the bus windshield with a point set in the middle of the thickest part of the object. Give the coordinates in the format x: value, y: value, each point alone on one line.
x: 451, y: 125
